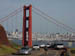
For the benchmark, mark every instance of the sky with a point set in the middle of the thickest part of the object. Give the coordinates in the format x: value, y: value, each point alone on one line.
x: 61, y: 10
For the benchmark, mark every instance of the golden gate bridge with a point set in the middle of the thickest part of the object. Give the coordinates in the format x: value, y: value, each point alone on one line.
x: 26, y: 24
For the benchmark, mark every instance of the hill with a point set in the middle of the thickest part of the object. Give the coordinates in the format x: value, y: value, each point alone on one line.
x: 3, y: 36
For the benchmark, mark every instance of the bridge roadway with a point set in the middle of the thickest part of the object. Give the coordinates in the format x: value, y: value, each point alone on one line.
x: 41, y: 52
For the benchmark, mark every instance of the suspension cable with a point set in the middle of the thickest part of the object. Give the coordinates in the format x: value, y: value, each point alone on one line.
x: 10, y: 15
x: 53, y: 19
x: 44, y: 17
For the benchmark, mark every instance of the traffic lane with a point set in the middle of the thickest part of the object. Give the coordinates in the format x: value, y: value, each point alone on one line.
x: 18, y: 55
x: 33, y: 53
x: 52, y: 53
x: 42, y: 52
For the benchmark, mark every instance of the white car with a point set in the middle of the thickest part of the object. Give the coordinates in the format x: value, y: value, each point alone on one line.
x: 42, y: 46
x: 60, y: 46
x: 36, y: 47
x: 25, y: 51
x: 48, y: 45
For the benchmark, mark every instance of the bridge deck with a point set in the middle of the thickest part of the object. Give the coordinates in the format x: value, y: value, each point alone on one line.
x: 41, y: 52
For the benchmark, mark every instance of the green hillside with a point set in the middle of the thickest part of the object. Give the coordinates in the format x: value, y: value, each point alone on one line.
x: 6, y: 50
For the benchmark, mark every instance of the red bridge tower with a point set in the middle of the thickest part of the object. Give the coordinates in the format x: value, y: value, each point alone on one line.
x: 27, y: 26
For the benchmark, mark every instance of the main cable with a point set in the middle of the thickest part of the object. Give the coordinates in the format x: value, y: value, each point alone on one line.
x: 43, y: 13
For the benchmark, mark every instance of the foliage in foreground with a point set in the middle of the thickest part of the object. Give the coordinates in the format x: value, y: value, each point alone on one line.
x: 6, y: 50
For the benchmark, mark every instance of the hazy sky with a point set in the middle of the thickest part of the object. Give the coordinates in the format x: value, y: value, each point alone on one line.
x: 62, y: 10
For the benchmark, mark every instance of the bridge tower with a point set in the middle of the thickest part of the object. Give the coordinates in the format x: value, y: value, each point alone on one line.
x: 27, y: 26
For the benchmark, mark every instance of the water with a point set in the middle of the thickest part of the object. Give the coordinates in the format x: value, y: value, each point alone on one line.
x: 68, y: 44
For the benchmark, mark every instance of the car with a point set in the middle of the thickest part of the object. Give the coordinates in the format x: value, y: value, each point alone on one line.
x: 60, y: 46
x: 48, y: 45
x: 24, y: 51
x: 52, y: 46
x: 36, y: 47
x: 42, y: 46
